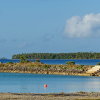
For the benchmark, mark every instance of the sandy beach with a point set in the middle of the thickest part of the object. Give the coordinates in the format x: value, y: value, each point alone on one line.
x: 60, y: 96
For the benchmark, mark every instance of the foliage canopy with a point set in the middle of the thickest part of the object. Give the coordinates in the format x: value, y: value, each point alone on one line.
x: 79, y: 55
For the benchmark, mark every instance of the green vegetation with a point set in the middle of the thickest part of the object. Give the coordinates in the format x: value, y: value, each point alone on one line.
x: 10, y: 62
x: 98, y: 63
x: 80, y: 67
x: 37, y: 60
x: 23, y: 59
x: 39, y: 68
x: 70, y: 63
x: 79, y: 55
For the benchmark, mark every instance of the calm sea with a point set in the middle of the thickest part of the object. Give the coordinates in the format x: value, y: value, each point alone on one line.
x: 33, y: 83
x: 59, y: 61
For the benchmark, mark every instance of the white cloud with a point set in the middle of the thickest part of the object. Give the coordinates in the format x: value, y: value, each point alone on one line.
x: 85, y: 26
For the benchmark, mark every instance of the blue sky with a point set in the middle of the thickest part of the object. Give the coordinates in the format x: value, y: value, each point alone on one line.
x: 47, y: 26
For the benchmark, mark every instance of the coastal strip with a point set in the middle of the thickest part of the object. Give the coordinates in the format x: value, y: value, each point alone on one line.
x: 51, y: 96
x: 40, y: 68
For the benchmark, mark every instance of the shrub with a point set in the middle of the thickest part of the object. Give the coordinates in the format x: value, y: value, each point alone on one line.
x: 37, y: 60
x: 9, y: 62
x: 46, y: 67
x: 70, y: 63
x: 98, y: 63
x: 23, y: 59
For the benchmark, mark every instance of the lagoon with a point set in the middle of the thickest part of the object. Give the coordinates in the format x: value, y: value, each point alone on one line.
x: 33, y: 83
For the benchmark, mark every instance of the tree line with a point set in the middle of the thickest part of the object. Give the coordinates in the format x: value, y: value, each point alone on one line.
x: 78, y: 55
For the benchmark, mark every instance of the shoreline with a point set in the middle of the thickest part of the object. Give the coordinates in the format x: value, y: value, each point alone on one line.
x: 51, y: 96
x: 84, y: 74
x: 40, y: 68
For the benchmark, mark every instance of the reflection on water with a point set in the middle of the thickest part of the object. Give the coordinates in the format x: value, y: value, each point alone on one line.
x: 32, y: 83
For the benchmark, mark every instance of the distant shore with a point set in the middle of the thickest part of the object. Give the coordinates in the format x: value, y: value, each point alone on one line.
x: 51, y: 96
x: 76, y: 55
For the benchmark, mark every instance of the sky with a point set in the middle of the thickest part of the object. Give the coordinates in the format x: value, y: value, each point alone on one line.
x: 49, y: 26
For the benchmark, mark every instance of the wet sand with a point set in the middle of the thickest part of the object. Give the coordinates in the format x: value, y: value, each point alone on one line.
x: 50, y: 96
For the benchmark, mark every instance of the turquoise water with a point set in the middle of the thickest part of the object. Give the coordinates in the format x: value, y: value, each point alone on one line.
x: 33, y: 83
x: 60, y: 61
